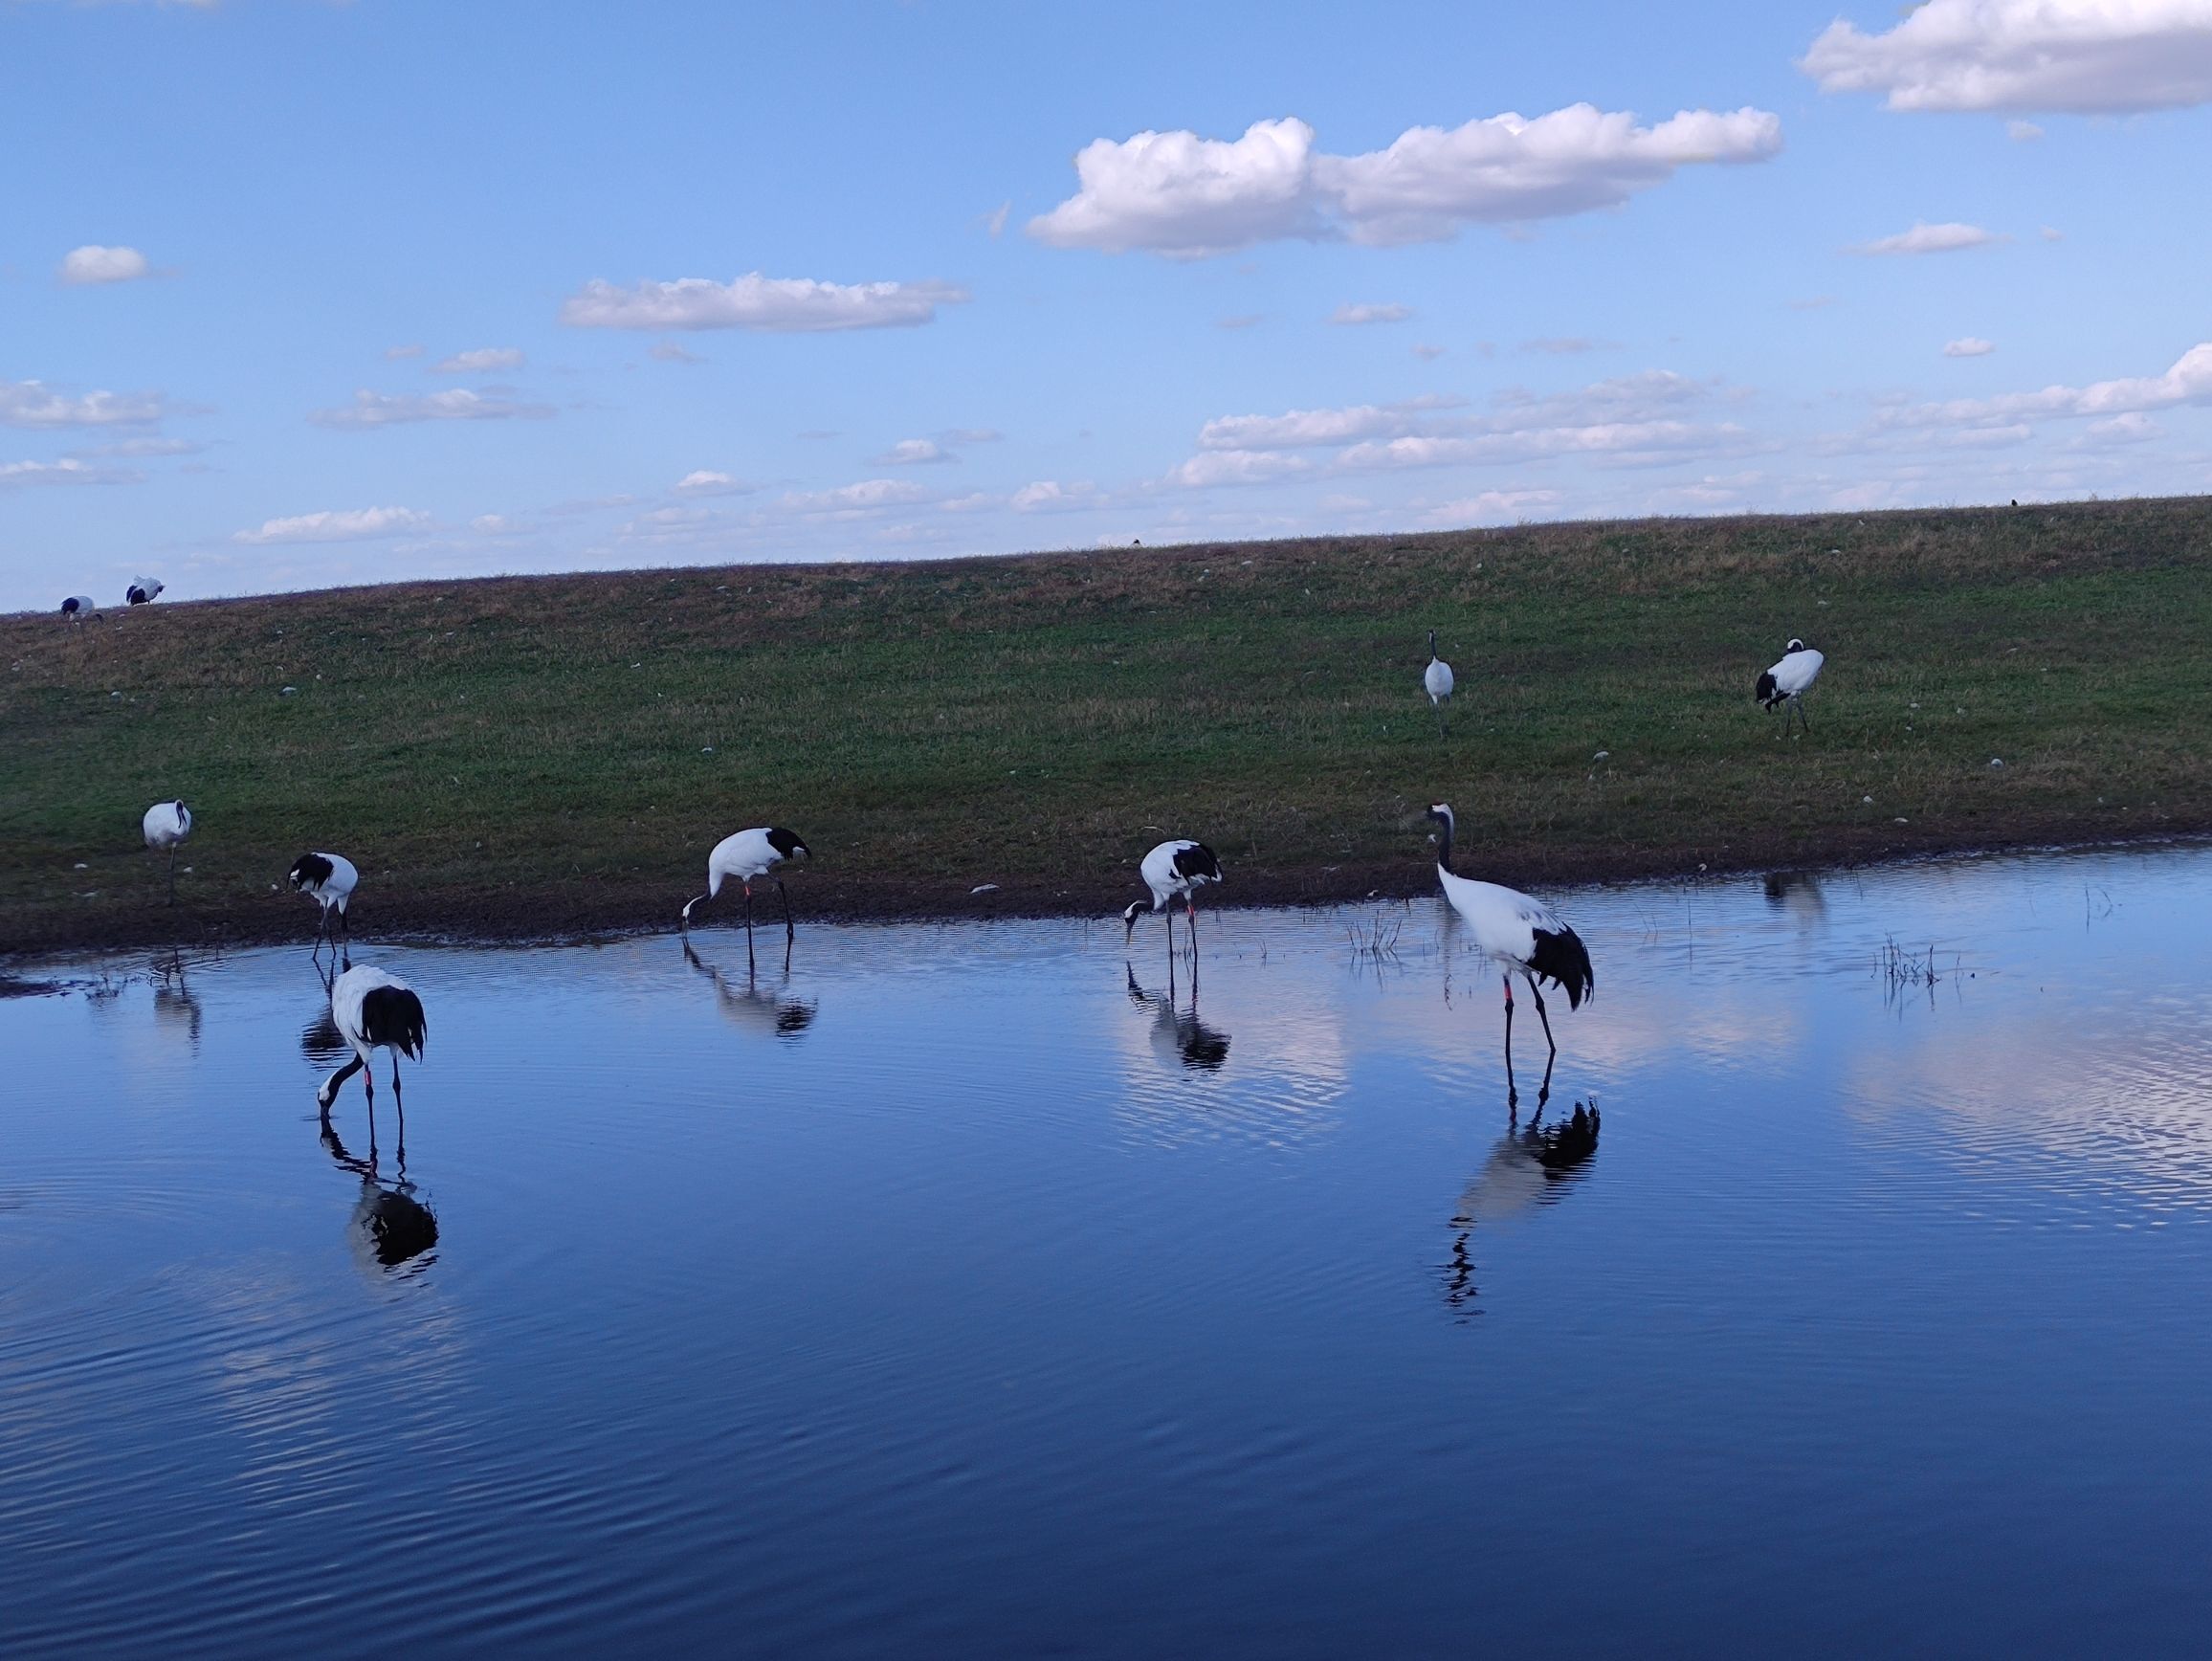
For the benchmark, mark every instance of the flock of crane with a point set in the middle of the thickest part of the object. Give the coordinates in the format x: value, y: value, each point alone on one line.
x: 375, y: 1011
x: 84, y: 608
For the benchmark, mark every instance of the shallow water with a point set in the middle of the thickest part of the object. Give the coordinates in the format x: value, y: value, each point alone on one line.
x: 950, y: 1296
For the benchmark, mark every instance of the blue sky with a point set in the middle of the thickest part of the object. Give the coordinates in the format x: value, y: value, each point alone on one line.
x: 294, y: 293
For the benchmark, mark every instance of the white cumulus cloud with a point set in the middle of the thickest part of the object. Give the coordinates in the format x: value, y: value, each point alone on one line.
x: 1185, y: 196
x: 1212, y: 467
x: 395, y: 409
x: 1050, y: 496
x: 775, y: 305
x: 337, y: 525
x: 480, y: 361
x: 2086, y: 57
x: 1635, y: 420
x: 1968, y: 346
x: 913, y: 452
x: 1945, y: 239
x: 20, y: 475
x: 871, y: 496
x: 2188, y: 382
x: 31, y: 404
x: 1371, y: 313
x: 707, y: 481
x: 94, y: 264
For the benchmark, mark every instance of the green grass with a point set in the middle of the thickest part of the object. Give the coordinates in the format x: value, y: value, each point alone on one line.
x: 540, y: 755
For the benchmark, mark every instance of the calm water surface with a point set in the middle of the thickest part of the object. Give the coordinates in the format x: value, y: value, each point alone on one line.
x: 967, y: 1291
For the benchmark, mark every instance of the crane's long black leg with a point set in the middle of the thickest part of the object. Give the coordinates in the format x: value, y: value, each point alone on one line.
x: 1546, y: 1018
x: 790, y: 933
x: 1512, y: 1094
x: 172, y: 873
x: 1544, y: 1090
x: 749, y: 925
x: 1803, y: 721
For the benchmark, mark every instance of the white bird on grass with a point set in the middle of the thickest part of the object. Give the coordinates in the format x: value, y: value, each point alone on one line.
x: 1177, y: 869
x: 373, y: 1011
x: 142, y: 589
x: 1789, y: 680
x: 78, y: 607
x: 167, y: 824
x: 1436, y: 681
x: 745, y: 855
x: 329, y: 880
x: 1517, y: 933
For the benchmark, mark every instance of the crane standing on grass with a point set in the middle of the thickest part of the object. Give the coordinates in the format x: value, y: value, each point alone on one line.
x: 1789, y: 680
x: 1436, y: 681
x: 329, y: 880
x: 167, y: 825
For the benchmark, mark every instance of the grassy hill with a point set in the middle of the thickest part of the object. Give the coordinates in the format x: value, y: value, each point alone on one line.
x: 546, y: 755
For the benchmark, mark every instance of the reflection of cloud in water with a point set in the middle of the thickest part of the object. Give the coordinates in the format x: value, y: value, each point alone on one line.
x: 2012, y: 1081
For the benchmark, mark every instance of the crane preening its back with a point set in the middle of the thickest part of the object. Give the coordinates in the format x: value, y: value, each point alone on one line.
x: 329, y: 880
x: 167, y: 824
x: 1177, y: 869
x: 1517, y: 933
x: 748, y: 855
x: 1789, y: 680
x: 142, y: 589
x: 1436, y: 681
x: 373, y: 1011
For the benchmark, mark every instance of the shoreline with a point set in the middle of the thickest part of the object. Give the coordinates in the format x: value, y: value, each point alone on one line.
x: 290, y: 919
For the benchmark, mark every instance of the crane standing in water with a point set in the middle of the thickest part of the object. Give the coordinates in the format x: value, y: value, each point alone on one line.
x: 1517, y: 934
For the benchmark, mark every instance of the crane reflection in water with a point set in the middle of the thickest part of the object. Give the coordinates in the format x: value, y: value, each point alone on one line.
x: 1532, y: 1164
x: 1179, y: 1035
x: 770, y: 1011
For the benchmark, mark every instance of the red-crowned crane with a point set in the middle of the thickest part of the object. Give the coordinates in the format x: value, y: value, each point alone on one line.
x: 1436, y: 681
x: 328, y: 879
x: 78, y: 607
x: 1517, y: 933
x: 142, y: 589
x: 745, y: 855
x: 1789, y: 680
x: 1174, y: 869
x: 167, y: 824
x: 373, y: 1011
